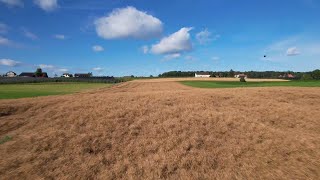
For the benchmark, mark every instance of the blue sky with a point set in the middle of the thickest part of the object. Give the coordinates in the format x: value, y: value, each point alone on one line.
x: 143, y: 37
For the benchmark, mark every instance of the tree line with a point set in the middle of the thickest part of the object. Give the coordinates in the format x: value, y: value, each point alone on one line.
x: 250, y: 74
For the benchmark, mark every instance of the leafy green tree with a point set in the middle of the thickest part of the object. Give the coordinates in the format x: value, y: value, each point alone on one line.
x: 306, y: 76
x: 315, y: 74
x: 38, y: 72
x: 231, y: 73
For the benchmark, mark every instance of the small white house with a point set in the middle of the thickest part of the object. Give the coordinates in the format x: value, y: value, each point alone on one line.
x: 241, y: 75
x: 66, y: 75
x: 11, y: 74
x: 202, y: 75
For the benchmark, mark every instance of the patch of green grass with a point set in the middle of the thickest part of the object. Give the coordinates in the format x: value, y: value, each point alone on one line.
x: 225, y: 84
x: 5, y: 139
x: 14, y: 91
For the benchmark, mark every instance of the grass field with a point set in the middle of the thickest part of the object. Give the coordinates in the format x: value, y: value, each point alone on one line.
x: 229, y: 84
x: 14, y: 91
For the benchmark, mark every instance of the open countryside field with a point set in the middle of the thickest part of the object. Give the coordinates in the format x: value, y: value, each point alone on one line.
x: 13, y: 91
x: 160, y: 129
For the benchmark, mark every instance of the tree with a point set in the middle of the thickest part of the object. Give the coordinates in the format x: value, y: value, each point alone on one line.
x: 242, y: 79
x: 315, y: 74
x: 306, y: 76
x: 38, y: 72
x: 231, y: 73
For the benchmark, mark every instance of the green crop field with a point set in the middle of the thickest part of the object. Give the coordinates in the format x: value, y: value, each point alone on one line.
x: 224, y: 84
x: 14, y: 91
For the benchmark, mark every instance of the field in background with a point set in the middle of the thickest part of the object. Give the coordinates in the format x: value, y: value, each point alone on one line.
x: 230, y: 84
x: 13, y: 91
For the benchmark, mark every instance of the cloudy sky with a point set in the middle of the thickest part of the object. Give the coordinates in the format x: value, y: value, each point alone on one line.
x: 148, y: 37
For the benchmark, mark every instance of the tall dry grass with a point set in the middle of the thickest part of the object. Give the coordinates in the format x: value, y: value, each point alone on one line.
x: 163, y: 130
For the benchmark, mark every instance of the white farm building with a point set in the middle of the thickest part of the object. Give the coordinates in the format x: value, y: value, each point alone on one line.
x: 202, y: 75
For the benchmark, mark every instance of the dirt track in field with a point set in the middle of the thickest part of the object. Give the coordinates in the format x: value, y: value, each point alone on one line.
x: 152, y: 130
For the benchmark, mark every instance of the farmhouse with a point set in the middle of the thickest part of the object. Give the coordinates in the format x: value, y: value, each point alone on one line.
x: 66, y: 75
x: 32, y: 74
x: 288, y: 76
x: 240, y: 76
x: 10, y: 74
x: 202, y: 75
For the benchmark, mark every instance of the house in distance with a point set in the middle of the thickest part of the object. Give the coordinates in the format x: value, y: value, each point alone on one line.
x: 202, y: 75
x: 67, y: 75
x: 38, y: 74
x: 10, y: 74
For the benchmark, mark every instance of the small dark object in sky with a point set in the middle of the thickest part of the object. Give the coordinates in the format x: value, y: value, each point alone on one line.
x: 265, y: 56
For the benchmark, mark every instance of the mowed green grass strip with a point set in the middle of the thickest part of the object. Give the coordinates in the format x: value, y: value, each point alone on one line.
x: 224, y: 84
x: 14, y: 91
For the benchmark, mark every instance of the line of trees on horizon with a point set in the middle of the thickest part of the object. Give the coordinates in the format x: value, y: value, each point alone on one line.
x: 250, y: 74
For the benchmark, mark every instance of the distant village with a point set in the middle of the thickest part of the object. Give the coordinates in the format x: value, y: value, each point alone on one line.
x: 40, y: 74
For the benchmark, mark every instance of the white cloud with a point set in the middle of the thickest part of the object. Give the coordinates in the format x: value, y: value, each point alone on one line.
x: 283, y: 45
x: 98, y: 69
x: 3, y: 28
x: 29, y: 34
x: 5, y: 41
x: 9, y: 62
x: 205, y: 36
x: 60, y: 36
x: 47, y: 5
x: 172, y: 56
x: 190, y: 58
x: 293, y: 51
x: 145, y: 49
x: 97, y: 48
x: 46, y: 66
x: 177, y: 42
x: 128, y: 23
x: 63, y: 70
x: 215, y: 58
x: 13, y: 3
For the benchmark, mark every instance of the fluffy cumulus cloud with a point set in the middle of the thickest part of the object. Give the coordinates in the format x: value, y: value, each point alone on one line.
x: 128, y: 23
x: 3, y: 28
x: 176, y: 43
x: 293, y: 51
x: 13, y: 3
x: 47, y: 5
x: 60, y: 36
x: 9, y: 62
x: 97, y: 48
x: 205, y: 37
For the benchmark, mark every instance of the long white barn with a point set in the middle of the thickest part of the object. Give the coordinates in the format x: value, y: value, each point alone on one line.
x: 202, y: 75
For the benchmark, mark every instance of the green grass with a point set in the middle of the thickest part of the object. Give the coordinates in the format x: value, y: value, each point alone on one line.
x: 224, y: 84
x: 5, y: 139
x: 14, y: 91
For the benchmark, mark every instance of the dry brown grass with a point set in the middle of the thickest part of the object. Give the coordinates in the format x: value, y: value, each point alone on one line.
x: 206, y: 79
x: 148, y: 130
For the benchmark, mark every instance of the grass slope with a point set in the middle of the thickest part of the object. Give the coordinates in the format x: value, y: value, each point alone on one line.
x: 14, y: 91
x: 224, y: 84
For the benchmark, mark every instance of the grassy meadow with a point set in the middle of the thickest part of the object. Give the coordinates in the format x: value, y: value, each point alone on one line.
x: 230, y: 84
x: 14, y: 91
